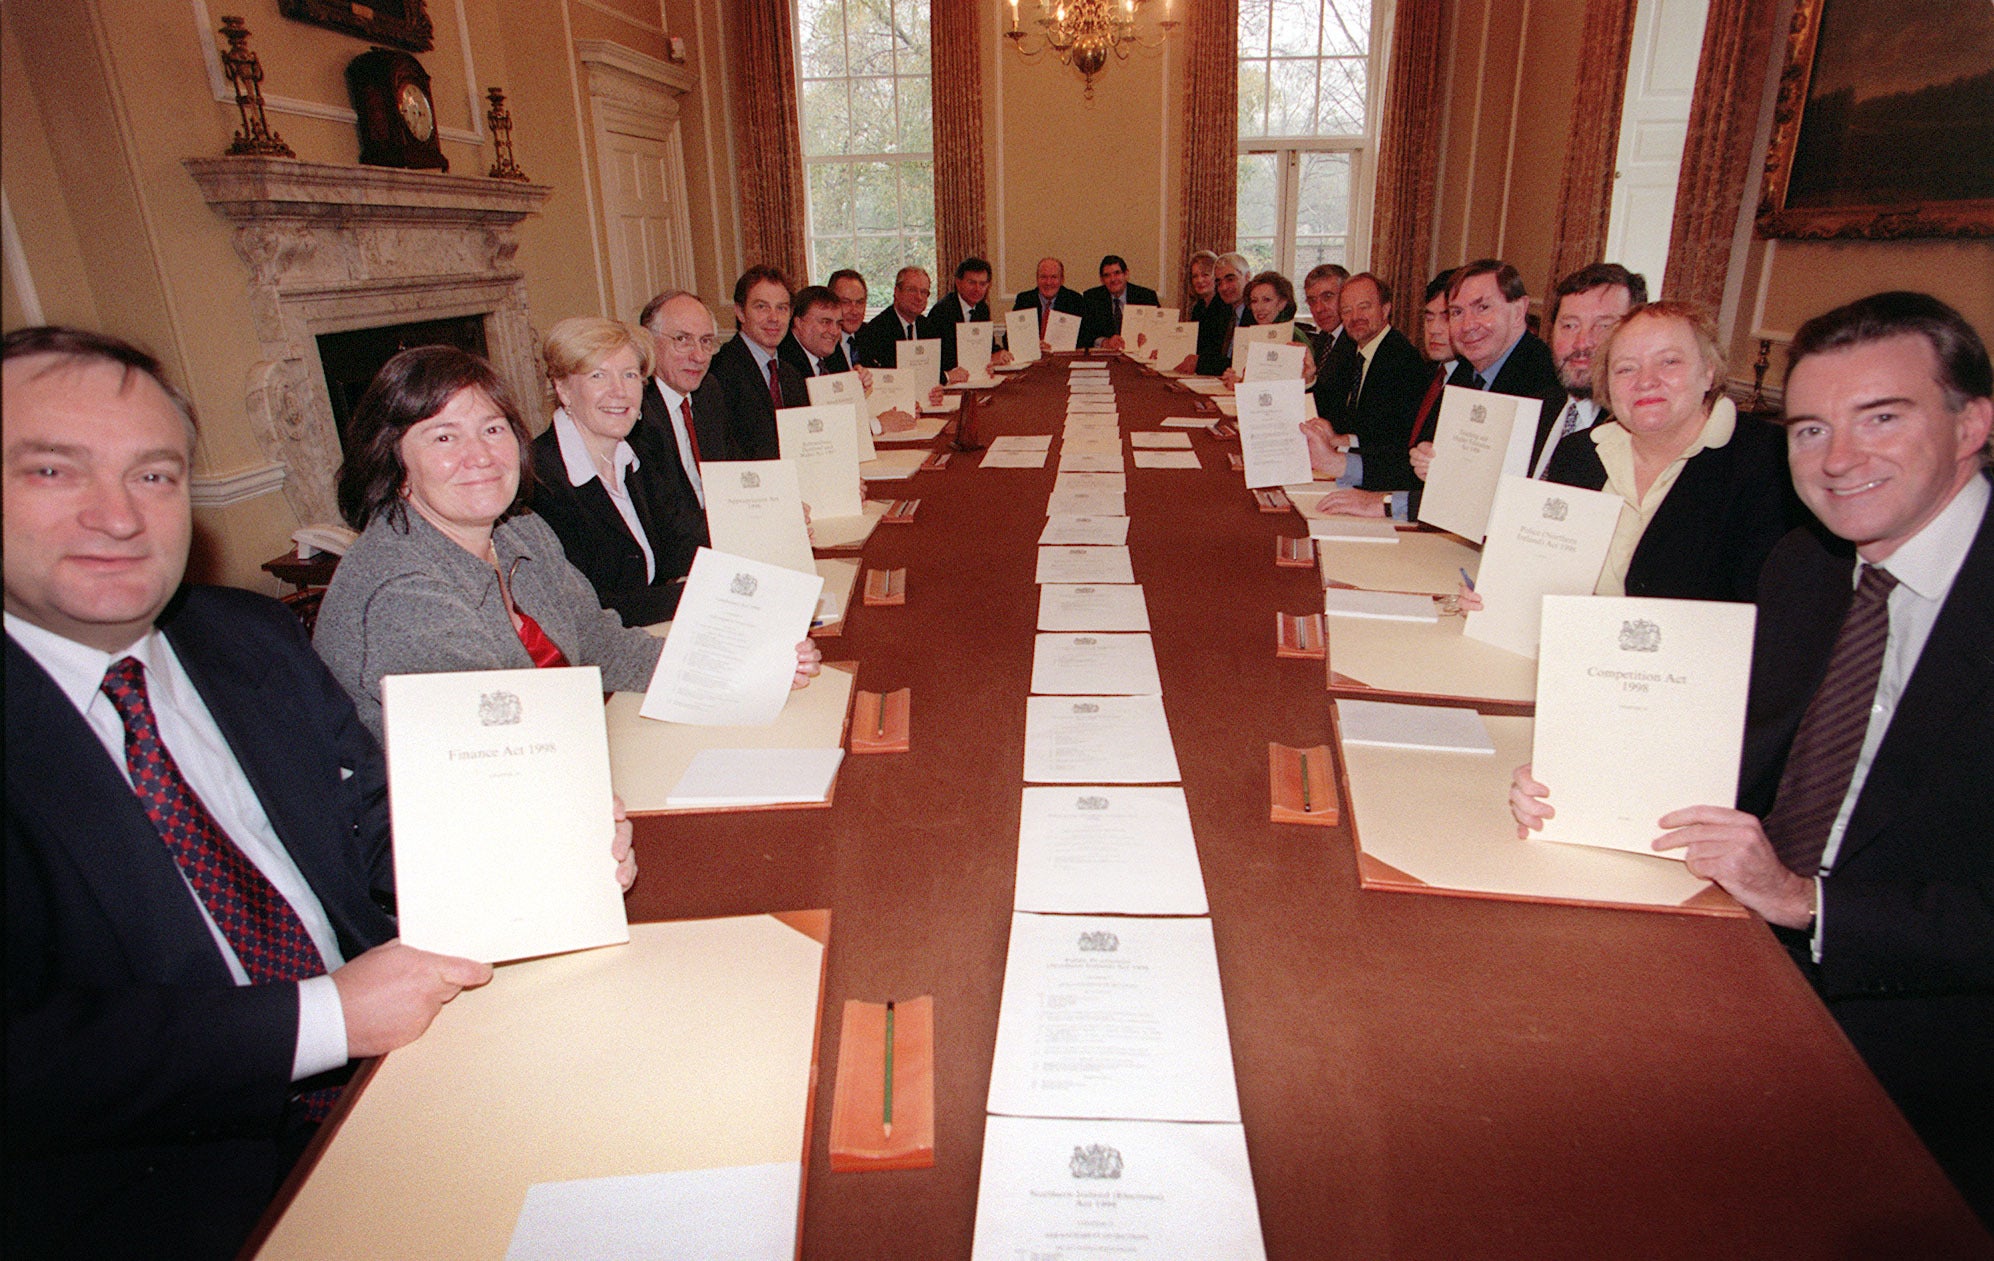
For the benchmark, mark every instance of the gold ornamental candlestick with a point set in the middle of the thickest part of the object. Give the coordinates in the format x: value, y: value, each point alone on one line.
x: 245, y: 72
x: 500, y: 118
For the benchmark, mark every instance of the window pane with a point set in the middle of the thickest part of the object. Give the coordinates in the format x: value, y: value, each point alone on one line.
x: 1341, y: 112
x: 1310, y: 250
x: 917, y: 196
x: 1346, y: 28
x: 917, y: 130
x: 1291, y: 107
x: 1253, y: 27
x: 820, y: 37
x: 1252, y: 98
x: 825, y: 124
x: 874, y: 128
x: 910, y: 26
x: 869, y: 37
x: 1259, y: 187
x: 1259, y: 251
x: 1296, y: 26
x: 1322, y: 198
x: 830, y: 185
x: 875, y: 197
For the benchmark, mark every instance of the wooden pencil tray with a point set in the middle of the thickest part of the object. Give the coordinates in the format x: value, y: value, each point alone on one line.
x: 859, y: 1140
x: 1301, y: 786
x: 885, y: 586
x: 880, y: 722
x: 939, y: 460
x: 1299, y: 635
x: 901, y: 513
x: 1295, y: 553
x: 1272, y: 501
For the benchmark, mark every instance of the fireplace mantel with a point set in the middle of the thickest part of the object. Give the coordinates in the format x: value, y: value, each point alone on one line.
x: 331, y: 248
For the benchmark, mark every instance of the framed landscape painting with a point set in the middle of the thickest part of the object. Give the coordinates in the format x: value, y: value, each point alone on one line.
x: 1885, y: 122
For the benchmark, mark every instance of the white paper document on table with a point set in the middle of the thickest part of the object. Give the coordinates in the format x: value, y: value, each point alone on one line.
x: 1092, y: 607
x: 1478, y: 437
x: 1389, y: 606
x: 1160, y: 441
x: 1085, y: 564
x: 1085, y: 531
x: 1341, y: 529
x: 1098, y: 740
x: 1095, y: 663
x: 1270, y: 433
x: 1021, y: 334
x: 1016, y: 457
x: 846, y: 388
x: 1022, y: 442
x: 1544, y: 539
x: 1272, y: 361
x: 1072, y: 461
x: 1441, y: 728
x: 1157, y: 1190
x: 1167, y: 459
x: 822, y: 442
x: 719, y: 779
x: 1097, y: 403
x: 663, y: 1216
x: 1085, y: 503
x: 1112, y: 1017
x: 500, y: 795
x: 1091, y: 441
x: 1188, y: 422
x: 1108, y: 851
x: 1640, y: 711
x: 755, y: 509
x: 731, y: 655
x: 1116, y: 482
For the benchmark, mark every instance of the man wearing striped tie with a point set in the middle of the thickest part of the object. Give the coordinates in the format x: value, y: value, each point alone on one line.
x: 1586, y: 306
x: 1863, y: 831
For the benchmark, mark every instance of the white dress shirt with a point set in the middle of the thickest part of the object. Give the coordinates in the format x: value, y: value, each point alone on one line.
x: 581, y: 469
x: 674, y: 408
x: 1583, y: 414
x: 189, y: 732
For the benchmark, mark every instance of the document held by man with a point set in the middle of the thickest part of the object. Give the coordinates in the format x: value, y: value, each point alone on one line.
x: 1544, y: 539
x: 1021, y: 333
x: 1092, y: 606
x: 731, y: 656
x: 500, y: 798
x: 1112, y: 1017
x: 1270, y: 433
x: 846, y: 388
x: 822, y: 443
x: 1098, y: 740
x: 922, y: 356
x: 1059, y: 1188
x: 972, y: 348
x: 755, y: 509
x: 1108, y: 851
x: 1095, y: 664
x: 1640, y: 711
x: 1273, y: 361
x: 1479, y: 437
x: 1062, y: 331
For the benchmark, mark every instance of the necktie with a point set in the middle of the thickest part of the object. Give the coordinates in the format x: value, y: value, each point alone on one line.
x: 775, y: 386
x: 691, y: 434
x: 1427, y: 406
x: 1356, y: 388
x: 1045, y: 312
x: 262, y: 928
x: 544, y: 651
x: 1568, y: 424
x: 1476, y: 382
x: 1118, y: 317
x: 906, y: 331
x: 1831, y: 731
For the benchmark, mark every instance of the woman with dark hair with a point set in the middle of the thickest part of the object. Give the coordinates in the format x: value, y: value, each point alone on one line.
x: 1270, y: 299
x: 451, y: 571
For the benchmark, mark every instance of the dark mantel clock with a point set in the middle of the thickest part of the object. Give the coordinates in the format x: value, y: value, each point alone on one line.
x: 397, y: 115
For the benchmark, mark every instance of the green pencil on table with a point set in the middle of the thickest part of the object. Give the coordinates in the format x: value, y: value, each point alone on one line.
x: 887, y: 1106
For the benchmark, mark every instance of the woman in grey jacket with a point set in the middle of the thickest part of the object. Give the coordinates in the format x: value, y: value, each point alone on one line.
x: 451, y: 571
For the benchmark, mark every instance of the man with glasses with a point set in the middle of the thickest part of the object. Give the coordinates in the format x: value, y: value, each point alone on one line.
x: 679, y: 400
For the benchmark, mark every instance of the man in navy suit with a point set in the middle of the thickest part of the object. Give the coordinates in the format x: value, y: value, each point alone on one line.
x: 969, y: 304
x: 1862, y: 828
x: 878, y: 341
x: 1050, y: 295
x: 1103, y: 305
x: 747, y: 371
x: 1488, y: 314
x: 156, y: 1094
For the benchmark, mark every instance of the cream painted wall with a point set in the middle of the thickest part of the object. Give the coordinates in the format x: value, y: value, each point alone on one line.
x: 1078, y: 179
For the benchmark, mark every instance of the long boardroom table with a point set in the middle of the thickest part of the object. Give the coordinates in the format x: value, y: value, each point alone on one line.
x: 1418, y: 1075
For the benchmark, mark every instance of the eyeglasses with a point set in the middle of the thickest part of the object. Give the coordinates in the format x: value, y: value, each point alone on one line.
x: 684, y: 342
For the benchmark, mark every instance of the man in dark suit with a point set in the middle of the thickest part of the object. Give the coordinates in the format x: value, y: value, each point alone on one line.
x: 1225, y: 313
x: 747, y: 372
x: 1102, y: 306
x: 1051, y: 294
x: 1382, y: 390
x: 967, y: 305
x: 897, y: 323
x: 850, y: 289
x: 811, y: 346
x: 1331, y: 353
x: 1487, y: 314
x: 1862, y: 828
x: 198, y: 877
x: 1586, y: 307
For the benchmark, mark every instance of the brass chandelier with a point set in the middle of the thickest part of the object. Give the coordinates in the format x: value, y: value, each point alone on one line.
x: 1083, y: 32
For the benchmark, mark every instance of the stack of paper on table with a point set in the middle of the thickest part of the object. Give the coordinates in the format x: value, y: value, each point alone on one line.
x: 1098, y: 740
x: 1430, y: 659
x: 1084, y: 564
x: 739, y: 779
x: 1434, y: 728
x: 1392, y: 606
x: 1226, y: 406
x: 1092, y: 607
x: 1345, y: 529
x: 1439, y: 823
x: 647, y: 758
x: 835, y: 600
x: 475, y: 1134
x: 893, y: 466
x: 1186, y: 422
x: 1206, y: 385
x: 833, y: 534
x: 1431, y: 563
x: 1161, y: 441
x: 1095, y: 663
x: 1167, y: 459
x: 1108, y: 851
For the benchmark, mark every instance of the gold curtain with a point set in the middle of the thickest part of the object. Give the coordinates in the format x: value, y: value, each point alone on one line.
x: 1586, y: 195
x: 768, y: 138
x: 1211, y: 128
x: 1717, y: 157
x: 1409, y: 154
x: 956, y: 56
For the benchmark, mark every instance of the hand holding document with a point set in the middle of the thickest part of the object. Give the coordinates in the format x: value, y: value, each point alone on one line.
x: 1270, y: 433
x: 500, y: 799
x: 1062, y: 332
x: 1021, y: 332
x: 1544, y: 539
x: 1479, y: 437
x: 822, y: 443
x: 1640, y: 712
x: 1160, y: 1189
x: 731, y: 656
x: 894, y: 391
x: 1108, y: 851
x: 1118, y: 1017
x: 1095, y: 664
x: 972, y: 348
x: 1084, y: 607
x: 1273, y: 361
x: 754, y: 509
x: 1098, y: 740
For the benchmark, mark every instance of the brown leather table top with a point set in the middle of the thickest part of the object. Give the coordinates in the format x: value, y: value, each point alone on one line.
x: 1418, y: 1075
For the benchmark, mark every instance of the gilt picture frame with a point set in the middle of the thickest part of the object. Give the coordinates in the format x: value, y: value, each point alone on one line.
x: 396, y: 23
